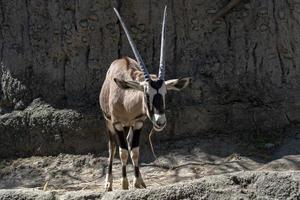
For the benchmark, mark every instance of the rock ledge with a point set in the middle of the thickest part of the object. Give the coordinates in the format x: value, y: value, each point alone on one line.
x: 240, y: 185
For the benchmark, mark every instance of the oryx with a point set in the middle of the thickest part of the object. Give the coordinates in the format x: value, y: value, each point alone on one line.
x: 128, y: 96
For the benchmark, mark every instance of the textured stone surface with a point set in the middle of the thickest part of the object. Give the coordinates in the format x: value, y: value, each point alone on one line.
x: 27, y: 194
x: 245, y: 67
x: 245, y: 185
x: 41, y: 129
x: 242, y: 185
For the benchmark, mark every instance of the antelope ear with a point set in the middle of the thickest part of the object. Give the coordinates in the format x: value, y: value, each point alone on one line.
x: 178, y: 84
x: 129, y: 84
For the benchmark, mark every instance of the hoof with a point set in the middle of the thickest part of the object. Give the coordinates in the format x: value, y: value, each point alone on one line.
x: 108, y: 189
x: 125, y: 184
x: 139, y: 183
x: 108, y: 183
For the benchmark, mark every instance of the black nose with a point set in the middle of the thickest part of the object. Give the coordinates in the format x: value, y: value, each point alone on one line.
x: 160, y: 123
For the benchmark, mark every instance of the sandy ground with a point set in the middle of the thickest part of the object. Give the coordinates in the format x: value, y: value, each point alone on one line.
x: 178, y: 161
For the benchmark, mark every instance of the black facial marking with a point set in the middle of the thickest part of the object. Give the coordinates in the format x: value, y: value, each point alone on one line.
x: 156, y: 84
x: 158, y: 103
x: 148, y: 105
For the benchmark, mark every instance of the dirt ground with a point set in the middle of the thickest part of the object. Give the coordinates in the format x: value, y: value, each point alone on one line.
x: 177, y: 161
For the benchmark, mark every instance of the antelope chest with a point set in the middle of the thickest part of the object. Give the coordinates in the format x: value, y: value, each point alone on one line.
x: 129, y: 110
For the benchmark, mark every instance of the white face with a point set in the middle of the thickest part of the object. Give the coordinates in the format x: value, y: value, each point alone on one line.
x: 155, y: 92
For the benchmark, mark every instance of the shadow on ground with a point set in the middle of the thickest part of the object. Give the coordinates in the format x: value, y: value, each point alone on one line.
x: 178, y: 161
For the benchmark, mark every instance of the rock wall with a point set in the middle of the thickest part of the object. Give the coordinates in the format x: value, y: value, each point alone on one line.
x: 243, y: 56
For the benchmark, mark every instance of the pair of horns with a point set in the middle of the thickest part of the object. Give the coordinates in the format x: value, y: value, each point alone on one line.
x: 161, y: 73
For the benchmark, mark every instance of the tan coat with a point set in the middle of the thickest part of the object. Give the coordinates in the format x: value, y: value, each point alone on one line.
x: 119, y: 105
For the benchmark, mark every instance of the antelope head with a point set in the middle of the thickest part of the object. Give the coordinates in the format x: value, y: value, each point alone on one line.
x: 154, y: 90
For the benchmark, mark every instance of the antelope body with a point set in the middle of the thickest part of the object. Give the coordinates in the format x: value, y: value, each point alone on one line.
x: 128, y: 96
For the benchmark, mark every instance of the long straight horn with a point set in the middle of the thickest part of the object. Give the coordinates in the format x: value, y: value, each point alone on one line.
x: 161, y: 74
x: 134, y: 49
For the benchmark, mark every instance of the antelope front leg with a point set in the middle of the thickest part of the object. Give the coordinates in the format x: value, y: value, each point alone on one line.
x: 138, y: 181
x: 133, y: 140
x: 124, y: 158
x: 123, y: 151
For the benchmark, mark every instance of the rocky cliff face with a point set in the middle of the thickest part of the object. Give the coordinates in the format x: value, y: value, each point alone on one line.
x: 54, y: 56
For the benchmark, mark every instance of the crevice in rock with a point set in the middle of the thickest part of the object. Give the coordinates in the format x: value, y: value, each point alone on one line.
x: 87, y: 56
x: 281, y: 63
x: 2, y: 51
x: 65, y: 62
x: 226, y: 9
x: 293, y: 41
x: 153, y: 35
x: 290, y: 121
x: 2, y: 12
x: 153, y: 51
x: 261, y: 64
x: 28, y: 28
x: 74, y: 17
x: 254, y: 62
x: 1, y: 33
x: 228, y: 27
x: 175, y: 60
x: 293, y: 48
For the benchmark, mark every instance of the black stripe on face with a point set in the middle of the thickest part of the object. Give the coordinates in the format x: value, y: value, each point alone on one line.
x: 158, y: 103
x: 148, y: 105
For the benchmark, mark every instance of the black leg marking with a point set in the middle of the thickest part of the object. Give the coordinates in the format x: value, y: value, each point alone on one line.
x: 124, y: 173
x: 112, y: 150
x: 136, y: 172
x: 135, y: 138
x: 121, y: 140
x: 135, y: 143
x: 126, y: 129
x: 110, y: 167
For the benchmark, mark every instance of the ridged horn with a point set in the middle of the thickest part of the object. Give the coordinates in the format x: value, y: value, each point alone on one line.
x: 134, y: 49
x: 161, y: 73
